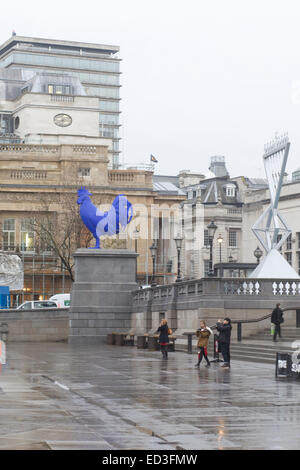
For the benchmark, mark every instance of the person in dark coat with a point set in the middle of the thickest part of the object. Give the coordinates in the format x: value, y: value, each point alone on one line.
x: 163, y: 330
x: 224, y: 327
x: 277, y: 319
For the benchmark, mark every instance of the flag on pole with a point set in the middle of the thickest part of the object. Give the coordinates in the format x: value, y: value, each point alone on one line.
x: 153, y: 159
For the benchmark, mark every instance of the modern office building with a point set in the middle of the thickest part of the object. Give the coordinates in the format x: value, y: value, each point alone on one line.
x: 65, y: 70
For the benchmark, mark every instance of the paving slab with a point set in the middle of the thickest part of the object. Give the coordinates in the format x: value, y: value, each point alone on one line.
x: 60, y: 396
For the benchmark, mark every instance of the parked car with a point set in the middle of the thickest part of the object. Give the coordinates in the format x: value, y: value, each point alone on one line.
x: 32, y: 304
x: 62, y: 300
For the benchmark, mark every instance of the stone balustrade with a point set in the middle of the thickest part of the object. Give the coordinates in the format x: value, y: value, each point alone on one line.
x: 27, y: 149
x: 130, y: 178
x: 220, y: 288
x: 185, y: 303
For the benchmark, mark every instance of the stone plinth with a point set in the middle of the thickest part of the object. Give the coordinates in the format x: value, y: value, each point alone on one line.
x: 101, y: 294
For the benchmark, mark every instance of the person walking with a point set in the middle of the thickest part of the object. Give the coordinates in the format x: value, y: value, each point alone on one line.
x: 224, y: 327
x: 277, y: 319
x: 163, y: 331
x: 203, y: 334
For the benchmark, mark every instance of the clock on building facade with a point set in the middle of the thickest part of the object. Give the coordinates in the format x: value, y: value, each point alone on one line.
x: 62, y: 120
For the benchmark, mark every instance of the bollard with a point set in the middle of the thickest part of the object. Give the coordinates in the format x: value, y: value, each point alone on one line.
x: 141, y: 342
x: 120, y: 339
x: 111, y: 338
x: 216, y: 350
x: 153, y: 344
x: 190, y: 344
x: 239, y: 331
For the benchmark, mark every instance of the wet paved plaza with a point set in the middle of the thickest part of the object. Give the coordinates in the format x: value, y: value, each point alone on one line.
x: 60, y: 396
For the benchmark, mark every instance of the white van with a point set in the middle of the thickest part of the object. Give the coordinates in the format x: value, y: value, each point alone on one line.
x: 32, y: 304
x: 62, y: 300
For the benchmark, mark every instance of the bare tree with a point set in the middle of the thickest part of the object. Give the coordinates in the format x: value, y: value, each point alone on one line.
x: 58, y: 227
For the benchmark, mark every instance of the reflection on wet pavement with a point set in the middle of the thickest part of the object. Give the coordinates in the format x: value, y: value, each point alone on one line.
x: 60, y: 396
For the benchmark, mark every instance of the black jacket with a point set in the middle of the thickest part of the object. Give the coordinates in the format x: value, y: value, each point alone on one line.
x: 163, y: 337
x: 225, y: 332
x: 277, y: 316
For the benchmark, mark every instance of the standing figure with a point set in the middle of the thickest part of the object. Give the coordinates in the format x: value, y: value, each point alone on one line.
x: 163, y: 331
x: 277, y: 319
x: 203, y: 334
x: 224, y: 327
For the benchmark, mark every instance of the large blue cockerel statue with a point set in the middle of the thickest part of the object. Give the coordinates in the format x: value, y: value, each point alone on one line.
x: 104, y: 223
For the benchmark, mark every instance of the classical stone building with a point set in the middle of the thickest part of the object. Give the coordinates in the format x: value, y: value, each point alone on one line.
x: 216, y: 197
x: 63, y: 70
x: 59, y: 130
x: 234, y: 204
x: 43, y: 179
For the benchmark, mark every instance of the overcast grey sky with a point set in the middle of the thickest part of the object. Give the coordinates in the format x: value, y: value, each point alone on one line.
x: 199, y: 78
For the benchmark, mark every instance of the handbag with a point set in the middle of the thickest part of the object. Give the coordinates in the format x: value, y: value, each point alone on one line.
x: 272, y: 329
x: 170, y: 331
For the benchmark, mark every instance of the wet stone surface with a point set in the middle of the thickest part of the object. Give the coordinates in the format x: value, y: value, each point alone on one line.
x: 60, y: 396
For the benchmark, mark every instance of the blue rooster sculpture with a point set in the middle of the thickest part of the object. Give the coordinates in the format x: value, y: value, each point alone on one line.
x: 104, y: 223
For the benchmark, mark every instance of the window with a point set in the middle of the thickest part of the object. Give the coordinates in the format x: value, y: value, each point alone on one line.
x: 106, y: 131
x: 298, y: 254
x: 232, y: 239
x: 279, y: 237
x: 206, y: 267
x: 27, y: 236
x: 206, y: 238
x: 110, y: 119
x: 230, y: 190
x: 26, y: 306
x: 289, y: 242
x: 59, y: 89
x: 192, y: 268
x: 9, y: 234
x: 109, y: 105
x: 115, y: 146
x: 6, y: 124
x: 84, y: 172
x: 103, y: 65
x: 288, y: 257
x: 298, y: 237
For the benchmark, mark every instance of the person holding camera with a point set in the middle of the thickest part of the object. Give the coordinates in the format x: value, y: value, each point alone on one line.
x: 203, y: 334
x: 224, y: 328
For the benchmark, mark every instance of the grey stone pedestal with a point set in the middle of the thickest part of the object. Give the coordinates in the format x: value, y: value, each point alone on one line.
x: 101, y: 294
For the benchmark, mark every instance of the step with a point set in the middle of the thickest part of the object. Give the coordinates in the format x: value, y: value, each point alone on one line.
x: 263, y: 347
x: 253, y: 358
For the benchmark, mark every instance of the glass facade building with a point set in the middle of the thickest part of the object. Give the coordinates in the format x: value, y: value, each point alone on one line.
x: 96, y: 66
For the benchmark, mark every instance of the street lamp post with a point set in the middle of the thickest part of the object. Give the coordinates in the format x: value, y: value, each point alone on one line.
x: 136, y: 232
x: 178, y: 240
x: 153, y: 249
x: 258, y: 254
x: 212, y: 227
x: 220, y: 240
